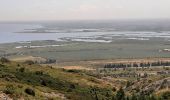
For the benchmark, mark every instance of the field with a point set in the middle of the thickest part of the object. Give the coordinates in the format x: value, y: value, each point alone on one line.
x: 79, y: 51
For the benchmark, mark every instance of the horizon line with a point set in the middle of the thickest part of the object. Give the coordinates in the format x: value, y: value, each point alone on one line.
x: 79, y: 20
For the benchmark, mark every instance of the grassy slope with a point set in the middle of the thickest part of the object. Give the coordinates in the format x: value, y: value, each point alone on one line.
x: 73, y: 85
x: 58, y: 84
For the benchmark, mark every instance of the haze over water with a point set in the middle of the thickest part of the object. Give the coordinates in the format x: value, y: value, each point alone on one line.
x: 87, y: 31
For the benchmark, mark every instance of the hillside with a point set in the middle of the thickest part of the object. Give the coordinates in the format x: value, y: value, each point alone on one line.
x: 25, y: 81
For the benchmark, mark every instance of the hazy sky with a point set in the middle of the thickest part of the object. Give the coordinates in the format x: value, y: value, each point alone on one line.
x: 83, y: 9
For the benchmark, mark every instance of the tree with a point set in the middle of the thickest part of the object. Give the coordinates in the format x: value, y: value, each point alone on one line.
x: 94, y: 94
x: 165, y: 96
x: 128, y: 84
x: 152, y: 97
x: 134, y: 97
x: 120, y: 94
x: 142, y: 96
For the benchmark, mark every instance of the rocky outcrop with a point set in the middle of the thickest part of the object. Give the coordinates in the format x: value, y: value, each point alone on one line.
x: 4, y: 96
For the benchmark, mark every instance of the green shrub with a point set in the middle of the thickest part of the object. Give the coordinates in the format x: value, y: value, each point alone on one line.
x: 1, y: 65
x: 29, y: 62
x: 120, y: 95
x: 134, y: 97
x: 9, y: 89
x: 72, y: 86
x: 73, y: 71
x: 21, y: 69
x: 39, y: 73
x: 4, y: 60
x: 114, y: 89
x: 165, y: 96
x: 43, y: 82
x: 18, y: 65
x: 128, y: 84
x: 30, y: 91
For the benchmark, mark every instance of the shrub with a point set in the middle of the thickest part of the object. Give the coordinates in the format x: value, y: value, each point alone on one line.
x: 43, y: 83
x: 73, y: 71
x: 9, y: 89
x: 30, y: 91
x: 165, y: 96
x: 152, y: 97
x: 120, y: 94
x: 29, y: 62
x: 18, y: 65
x: 1, y: 65
x: 50, y: 61
x: 114, y: 89
x: 4, y: 60
x: 21, y: 69
x: 128, y: 84
x: 72, y: 86
x: 134, y: 97
x: 69, y: 90
x: 39, y: 73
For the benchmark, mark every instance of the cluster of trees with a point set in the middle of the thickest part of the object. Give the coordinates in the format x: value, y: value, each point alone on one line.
x: 30, y: 62
x: 121, y: 65
x: 48, y: 61
x: 136, y: 94
x: 120, y: 95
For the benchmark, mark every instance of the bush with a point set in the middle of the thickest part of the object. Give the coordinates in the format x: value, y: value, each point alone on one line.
x: 128, y: 84
x: 50, y: 61
x: 18, y: 65
x: 1, y: 65
x: 120, y: 94
x: 72, y: 86
x: 4, y: 60
x: 9, y: 89
x: 30, y: 91
x: 114, y: 89
x: 29, y: 62
x: 39, y: 73
x: 152, y: 97
x: 21, y: 69
x: 165, y: 96
x: 73, y: 71
x: 43, y: 82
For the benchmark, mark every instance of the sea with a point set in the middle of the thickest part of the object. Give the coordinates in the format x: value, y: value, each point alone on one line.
x: 105, y: 31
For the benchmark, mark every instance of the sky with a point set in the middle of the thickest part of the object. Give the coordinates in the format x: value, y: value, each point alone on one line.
x: 30, y: 10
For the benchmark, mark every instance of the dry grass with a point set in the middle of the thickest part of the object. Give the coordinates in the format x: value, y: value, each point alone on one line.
x: 25, y: 58
x: 76, y: 68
